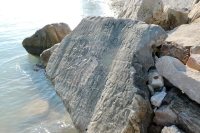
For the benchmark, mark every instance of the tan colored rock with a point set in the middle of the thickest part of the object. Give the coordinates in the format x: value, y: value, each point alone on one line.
x: 174, y: 50
x: 194, y: 62
x: 185, y: 35
x: 181, y: 76
x: 45, y: 38
x: 45, y: 55
x: 194, y: 13
x: 166, y: 13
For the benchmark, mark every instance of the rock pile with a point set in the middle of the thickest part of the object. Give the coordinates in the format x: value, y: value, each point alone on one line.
x: 123, y: 75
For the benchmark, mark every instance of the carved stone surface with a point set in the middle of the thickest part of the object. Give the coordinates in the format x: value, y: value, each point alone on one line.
x: 179, y: 111
x: 100, y: 71
x: 45, y: 55
x: 174, y: 50
x: 166, y: 13
x: 45, y: 38
x: 181, y: 76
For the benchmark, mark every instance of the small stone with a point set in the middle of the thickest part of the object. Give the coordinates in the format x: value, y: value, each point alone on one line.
x: 157, y: 98
x: 171, y: 129
x: 155, y: 80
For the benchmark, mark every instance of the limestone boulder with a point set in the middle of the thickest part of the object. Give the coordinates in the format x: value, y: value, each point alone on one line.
x: 181, y: 76
x: 194, y: 62
x: 179, y: 110
x: 174, y: 50
x: 186, y: 35
x: 166, y: 13
x: 100, y: 71
x: 45, y: 38
x: 45, y: 55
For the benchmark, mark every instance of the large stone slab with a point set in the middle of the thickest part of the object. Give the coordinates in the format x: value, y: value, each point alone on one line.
x: 185, y: 35
x: 180, y: 111
x: 45, y: 38
x: 181, y: 76
x: 166, y: 13
x: 100, y: 71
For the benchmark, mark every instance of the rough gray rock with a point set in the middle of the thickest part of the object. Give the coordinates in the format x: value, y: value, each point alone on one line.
x: 45, y: 38
x: 181, y: 76
x: 100, y: 71
x: 180, y: 111
x: 45, y: 55
x: 157, y: 98
x: 166, y: 13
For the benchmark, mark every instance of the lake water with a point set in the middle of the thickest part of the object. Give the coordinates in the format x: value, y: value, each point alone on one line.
x: 28, y: 102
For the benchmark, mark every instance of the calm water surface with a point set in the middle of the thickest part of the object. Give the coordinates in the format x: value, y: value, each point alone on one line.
x: 28, y: 102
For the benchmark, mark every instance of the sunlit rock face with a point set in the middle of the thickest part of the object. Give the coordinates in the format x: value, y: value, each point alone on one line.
x: 100, y: 71
x: 166, y: 13
x: 45, y: 38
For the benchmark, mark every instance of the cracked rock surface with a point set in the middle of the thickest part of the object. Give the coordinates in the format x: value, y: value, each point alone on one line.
x: 100, y: 71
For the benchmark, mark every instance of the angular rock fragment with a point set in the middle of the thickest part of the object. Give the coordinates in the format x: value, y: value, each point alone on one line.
x: 45, y: 55
x: 155, y: 80
x: 100, y: 71
x: 180, y: 111
x: 157, y: 98
x: 45, y: 38
x: 181, y: 76
x: 194, y: 62
x: 174, y: 50
x: 171, y: 129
